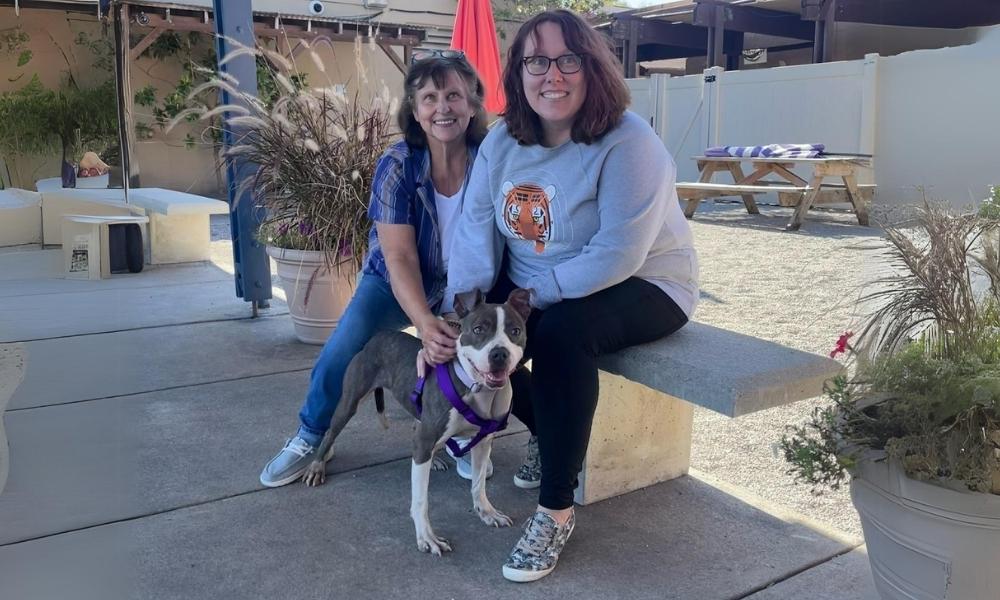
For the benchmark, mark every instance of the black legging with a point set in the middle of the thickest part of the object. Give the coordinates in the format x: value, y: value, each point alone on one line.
x: 557, y: 398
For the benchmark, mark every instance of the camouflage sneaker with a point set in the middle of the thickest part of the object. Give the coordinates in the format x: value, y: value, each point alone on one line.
x: 529, y: 474
x: 537, y: 552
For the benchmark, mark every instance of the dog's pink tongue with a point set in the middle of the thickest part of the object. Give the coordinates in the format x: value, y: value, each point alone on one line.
x: 496, y: 376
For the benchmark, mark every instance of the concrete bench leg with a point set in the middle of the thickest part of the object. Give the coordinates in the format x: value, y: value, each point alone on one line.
x: 178, y: 238
x: 639, y: 437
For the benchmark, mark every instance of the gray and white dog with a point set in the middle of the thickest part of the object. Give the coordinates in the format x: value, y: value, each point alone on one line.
x: 489, y: 347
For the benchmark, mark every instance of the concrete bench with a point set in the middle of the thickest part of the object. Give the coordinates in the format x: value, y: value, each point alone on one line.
x: 179, y: 228
x: 178, y: 222
x: 20, y: 217
x: 58, y: 202
x: 642, y: 429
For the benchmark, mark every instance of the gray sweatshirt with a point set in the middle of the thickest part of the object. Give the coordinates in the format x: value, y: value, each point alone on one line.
x: 575, y: 219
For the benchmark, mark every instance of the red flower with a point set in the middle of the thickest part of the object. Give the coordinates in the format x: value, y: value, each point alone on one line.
x: 842, y: 346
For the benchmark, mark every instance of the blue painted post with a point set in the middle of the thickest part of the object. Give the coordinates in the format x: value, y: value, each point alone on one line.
x: 234, y: 23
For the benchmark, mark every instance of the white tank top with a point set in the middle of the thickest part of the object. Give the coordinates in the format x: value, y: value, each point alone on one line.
x: 448, y: 210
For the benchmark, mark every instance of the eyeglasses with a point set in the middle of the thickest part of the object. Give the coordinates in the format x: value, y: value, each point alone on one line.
x: 567, y: 64
x: 420, y: 54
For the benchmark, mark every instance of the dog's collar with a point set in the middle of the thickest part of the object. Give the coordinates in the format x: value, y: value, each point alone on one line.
x: 447, y: 386
x: 463, y: 375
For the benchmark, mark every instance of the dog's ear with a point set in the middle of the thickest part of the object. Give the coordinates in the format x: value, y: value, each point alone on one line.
x: 466, y: 302
x: 520, y: 301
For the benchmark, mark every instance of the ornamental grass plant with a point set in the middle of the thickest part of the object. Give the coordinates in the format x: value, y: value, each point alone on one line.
x: 315, y: 150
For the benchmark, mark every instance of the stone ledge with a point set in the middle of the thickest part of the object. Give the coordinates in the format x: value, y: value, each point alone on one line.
x: 728, y: 372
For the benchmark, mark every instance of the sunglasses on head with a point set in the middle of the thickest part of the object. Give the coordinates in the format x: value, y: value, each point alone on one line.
x: 420, y: 54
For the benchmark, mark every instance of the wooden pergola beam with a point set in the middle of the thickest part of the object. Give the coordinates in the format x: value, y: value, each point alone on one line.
x: 748, y: 19
x: 648, y: 52
x: 656, y: 39
x: 651, y: 31
x: 630, y: 48
x: 145, y: 42
x: 335, y: 32
x: 393, y: 57
x: 910, y: 13
x: 822, y: 10
x: 293, y: 53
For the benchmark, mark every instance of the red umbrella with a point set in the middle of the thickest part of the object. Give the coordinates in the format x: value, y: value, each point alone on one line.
x: 476, y: 35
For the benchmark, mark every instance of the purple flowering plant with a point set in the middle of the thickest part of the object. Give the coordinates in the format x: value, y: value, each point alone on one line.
x: 925, y: 391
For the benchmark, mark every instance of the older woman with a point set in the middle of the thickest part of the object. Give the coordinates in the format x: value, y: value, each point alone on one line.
x: 580, y: 195
x: 417, y: 196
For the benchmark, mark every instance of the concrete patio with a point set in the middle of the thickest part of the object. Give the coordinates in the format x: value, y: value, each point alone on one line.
x: 150, y: 401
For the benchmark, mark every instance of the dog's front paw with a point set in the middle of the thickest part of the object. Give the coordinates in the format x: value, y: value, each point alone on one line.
x: 439, y: 464
x: 494, y: 518
x: 315, y: 473
x: 433, y: 544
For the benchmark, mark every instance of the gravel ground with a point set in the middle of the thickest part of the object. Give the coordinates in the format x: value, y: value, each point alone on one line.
x: 794, y: 288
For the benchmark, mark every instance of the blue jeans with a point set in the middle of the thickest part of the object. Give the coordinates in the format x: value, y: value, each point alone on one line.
x: 372, y: 309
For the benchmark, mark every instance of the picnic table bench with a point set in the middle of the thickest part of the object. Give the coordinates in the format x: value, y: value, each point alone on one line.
x: 642, y: 429
x: 792, y: 190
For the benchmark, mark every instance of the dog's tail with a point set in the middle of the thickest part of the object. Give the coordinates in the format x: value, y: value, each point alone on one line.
x: 380, y: 407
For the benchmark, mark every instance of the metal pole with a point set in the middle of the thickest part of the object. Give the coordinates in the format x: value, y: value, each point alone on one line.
x: 126, y: 135
x: 234, y: 25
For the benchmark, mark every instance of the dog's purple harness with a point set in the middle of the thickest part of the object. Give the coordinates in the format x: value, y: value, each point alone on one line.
x: 486, y: 426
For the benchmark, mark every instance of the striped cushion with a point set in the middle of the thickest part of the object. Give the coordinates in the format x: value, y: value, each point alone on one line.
x: 768, y: 151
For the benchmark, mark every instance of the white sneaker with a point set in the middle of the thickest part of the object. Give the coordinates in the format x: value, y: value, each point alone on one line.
x: 290, y: 463
x: 463, y: 464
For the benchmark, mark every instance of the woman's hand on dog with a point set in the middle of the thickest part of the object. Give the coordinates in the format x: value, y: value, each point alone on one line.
x: 438, y: 337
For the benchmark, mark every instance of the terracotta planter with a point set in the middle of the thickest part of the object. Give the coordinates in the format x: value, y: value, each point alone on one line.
x: 316, y: 295
x: 926, y: 541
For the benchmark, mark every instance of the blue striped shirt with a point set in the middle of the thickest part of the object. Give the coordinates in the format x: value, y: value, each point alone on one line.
x: 402, y: 194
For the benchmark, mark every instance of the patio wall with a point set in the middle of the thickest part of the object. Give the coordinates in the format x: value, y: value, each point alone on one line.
x: 162, y: 159
x: 50, y: 64
x: 165, y: 161
x: 928, y: 116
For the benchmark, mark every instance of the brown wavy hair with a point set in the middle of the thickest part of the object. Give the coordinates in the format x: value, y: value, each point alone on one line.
x: 436, y: 69
x: 607, y: 95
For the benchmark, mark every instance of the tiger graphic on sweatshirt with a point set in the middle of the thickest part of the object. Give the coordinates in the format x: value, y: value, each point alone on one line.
x: 526, y: 212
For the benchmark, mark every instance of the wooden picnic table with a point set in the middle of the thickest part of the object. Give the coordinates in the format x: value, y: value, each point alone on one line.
x: 792, y: 190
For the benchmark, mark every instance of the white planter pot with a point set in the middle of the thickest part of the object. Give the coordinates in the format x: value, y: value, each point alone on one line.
x: 925, y: 541
x: 316, y: 295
